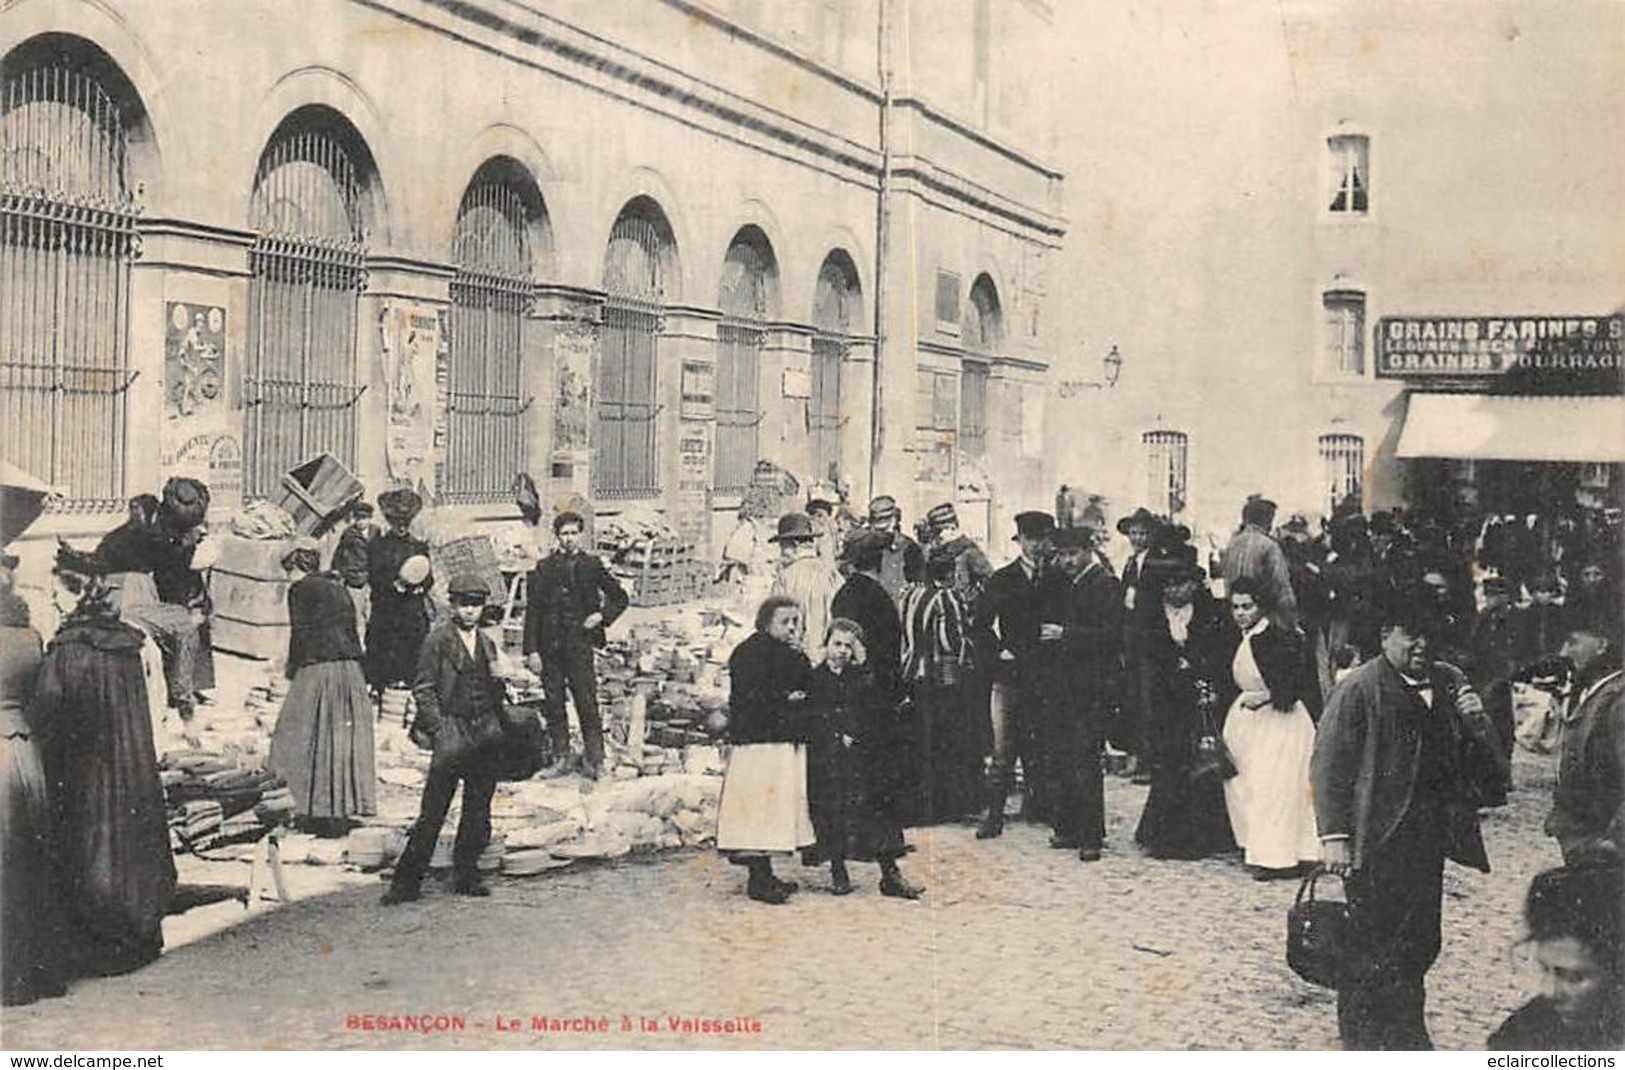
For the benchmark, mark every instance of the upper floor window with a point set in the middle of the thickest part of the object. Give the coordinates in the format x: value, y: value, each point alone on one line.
x: 947, y: 302
x: 1345, y: 331
x: 1350, y: 174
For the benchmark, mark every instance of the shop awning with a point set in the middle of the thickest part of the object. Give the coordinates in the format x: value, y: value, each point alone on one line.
x: 1487, y: 427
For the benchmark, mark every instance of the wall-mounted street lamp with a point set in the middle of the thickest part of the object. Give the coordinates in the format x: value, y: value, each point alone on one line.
x: 1111, y: 367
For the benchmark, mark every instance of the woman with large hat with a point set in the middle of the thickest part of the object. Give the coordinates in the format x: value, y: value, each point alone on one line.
x: 323, y: 744
x: 112, y: 846
x: 399, y: 577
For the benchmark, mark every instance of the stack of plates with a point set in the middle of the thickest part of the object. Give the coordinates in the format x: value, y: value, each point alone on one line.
x: 366, y: 850
x: 531, y: 861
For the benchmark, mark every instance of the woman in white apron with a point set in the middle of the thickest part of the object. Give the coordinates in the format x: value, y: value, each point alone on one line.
x: 1271, y: 736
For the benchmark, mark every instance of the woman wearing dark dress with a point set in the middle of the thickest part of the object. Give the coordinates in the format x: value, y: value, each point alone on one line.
x: 939, y: 665
x: 1185, y: 652
x: 90, y: 707
x: 1574, y: 918
x: 851, y: 768
x: 323, y: 743
x: 31, y: 965
x: 399, y: 585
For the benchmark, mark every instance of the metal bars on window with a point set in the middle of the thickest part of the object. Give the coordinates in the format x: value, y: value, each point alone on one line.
x: 625, y: 435
x: 67, y: 236
x: 738, y: 402
x: 490, y: 302
x: 1167, y: 456
x: 824, y: 406
x: 307, y: 270
x: 1342, y: 459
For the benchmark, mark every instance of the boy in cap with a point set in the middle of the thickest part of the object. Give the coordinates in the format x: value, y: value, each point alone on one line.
x: 1006, y: 620
x: 459, y: 716
x: 350, y: 558
x: 572, y: 599
x: 902, y: 561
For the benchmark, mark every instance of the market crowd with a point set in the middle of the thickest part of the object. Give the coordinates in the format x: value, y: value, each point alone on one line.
x: 1346, y: 702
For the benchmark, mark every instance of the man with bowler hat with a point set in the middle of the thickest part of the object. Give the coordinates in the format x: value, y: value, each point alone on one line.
x: 572, y: 599
x: 806, y: 576
x: 1006, y: 620
x: 1079, y: 642
x: 459, y: 715
x: 902, y: 561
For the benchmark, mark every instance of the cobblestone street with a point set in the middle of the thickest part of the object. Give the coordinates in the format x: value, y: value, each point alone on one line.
x: 1014, y: 946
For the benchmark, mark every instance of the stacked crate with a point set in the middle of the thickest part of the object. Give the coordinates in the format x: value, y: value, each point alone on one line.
x: 656, y: 572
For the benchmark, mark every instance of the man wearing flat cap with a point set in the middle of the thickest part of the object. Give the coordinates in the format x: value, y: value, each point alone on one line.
x: 806, y: 576
x: 1006, y: 620
x: 572, y: 599
x: 1588, y: 805
x: 399, y: 595
x: 902, y: 561
x: 459, y: 716
x: 1257, y: 556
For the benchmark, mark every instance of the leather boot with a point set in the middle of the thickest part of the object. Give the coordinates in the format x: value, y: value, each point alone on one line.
x: 993, y: 824
x: 762, y: 886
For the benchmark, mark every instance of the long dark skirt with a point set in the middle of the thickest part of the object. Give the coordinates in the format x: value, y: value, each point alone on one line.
x: 855, y: 818
x: 395, y: 633
x: 950, y: 754
x: 31, y: 930
x: 1183, y: 818
x: 323, y: 743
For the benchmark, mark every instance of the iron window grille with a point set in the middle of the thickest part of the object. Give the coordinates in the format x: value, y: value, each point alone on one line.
x: 67, y: 238
x: 625, y: 440
x: 1167, y: 455
x: 1342, y: 460
x: 740, y: 339
x: 307, y: 270
x: 491, y: 300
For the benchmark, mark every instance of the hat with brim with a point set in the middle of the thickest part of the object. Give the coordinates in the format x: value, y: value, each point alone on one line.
x: 794, y: 527
x: 1034, y: 525
x: 1142, y: 517
x: 400, y: 505
x: 468, y: 588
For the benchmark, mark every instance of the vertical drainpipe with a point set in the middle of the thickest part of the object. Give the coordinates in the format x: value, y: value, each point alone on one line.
x: 883, y: 57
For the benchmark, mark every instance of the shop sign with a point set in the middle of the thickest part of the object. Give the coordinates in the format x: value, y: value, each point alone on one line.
x: 1533, y: 354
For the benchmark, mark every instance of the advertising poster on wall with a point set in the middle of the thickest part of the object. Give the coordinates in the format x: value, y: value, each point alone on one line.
x: 200, y: 441
x: 573, y: 346
x: 413, y: 342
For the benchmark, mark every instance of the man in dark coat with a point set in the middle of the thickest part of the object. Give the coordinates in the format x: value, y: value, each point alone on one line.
x: 572, y: 599
x: 863, y: 600
x: 134, y: 554
x: 350, y: 559
x: 1588, y: 805
x: 1081, y: 639
x: 1403, y: 758
x: 459, y: 715
x: 1006, y: 619
x: 399, y: 596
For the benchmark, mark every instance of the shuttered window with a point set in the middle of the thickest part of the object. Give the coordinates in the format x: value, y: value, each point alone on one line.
x: 490, y: 304
x: 973, y: 409
x: 1345, y: 331
x: 67, y: 237
x: 300, y: 385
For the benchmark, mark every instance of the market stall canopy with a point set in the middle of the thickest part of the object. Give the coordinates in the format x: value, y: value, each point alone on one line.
x: 22, y: 500
x: 1500, y: 428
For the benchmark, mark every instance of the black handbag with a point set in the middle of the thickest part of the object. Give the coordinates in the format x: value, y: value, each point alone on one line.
x: 1212, y: 757
x: 526, y: 748
x: 1317, y: 935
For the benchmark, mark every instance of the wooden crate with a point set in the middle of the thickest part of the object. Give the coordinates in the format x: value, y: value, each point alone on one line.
x: 680, y: 582
x: 317, y: 492
x: 264, y: 642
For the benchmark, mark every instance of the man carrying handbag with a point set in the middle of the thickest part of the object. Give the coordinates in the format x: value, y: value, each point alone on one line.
x: 459, y: 715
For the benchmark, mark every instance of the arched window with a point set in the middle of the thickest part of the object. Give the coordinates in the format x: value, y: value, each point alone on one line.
x: 982, y: 332
x: 68, y: 206
x: 836, y: 301
x: 1167, y: 464
x: 1342, y: 463
x: 306, y: 266
x: 640, y: 257
x: 490, y: 302
x: 748, y: 274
